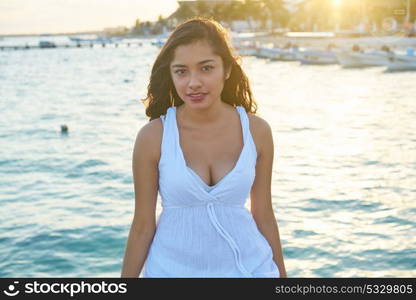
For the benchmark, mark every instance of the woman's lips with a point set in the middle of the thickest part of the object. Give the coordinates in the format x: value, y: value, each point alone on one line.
x: 198, y: 97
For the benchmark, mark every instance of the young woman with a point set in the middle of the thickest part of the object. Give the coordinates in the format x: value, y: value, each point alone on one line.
x: 205, y: 151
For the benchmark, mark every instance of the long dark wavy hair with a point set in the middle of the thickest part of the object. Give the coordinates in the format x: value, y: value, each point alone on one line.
x: 161, y: 92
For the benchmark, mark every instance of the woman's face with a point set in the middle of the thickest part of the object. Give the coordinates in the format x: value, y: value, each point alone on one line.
x: 196, y: 69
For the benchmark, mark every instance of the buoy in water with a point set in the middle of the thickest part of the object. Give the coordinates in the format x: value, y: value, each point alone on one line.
x: 64, y: 129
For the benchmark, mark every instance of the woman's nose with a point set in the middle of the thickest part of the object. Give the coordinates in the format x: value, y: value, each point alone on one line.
x: 194, y: 81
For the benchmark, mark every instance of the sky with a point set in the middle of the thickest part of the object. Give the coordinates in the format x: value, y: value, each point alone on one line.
x: 56, y: 16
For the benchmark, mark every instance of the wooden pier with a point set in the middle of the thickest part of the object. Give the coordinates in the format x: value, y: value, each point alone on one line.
x: 73, y: 45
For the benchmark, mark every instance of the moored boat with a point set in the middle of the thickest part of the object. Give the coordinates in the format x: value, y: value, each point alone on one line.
x: 363, y: 59
x: 277, y: 54
x: 402, y: 62
x: 316, y: 57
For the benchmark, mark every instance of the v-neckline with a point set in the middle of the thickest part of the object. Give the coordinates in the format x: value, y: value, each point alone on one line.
x: 189, y: 169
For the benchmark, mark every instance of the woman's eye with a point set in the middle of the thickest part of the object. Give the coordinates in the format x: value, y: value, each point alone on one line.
x: 180, y: 72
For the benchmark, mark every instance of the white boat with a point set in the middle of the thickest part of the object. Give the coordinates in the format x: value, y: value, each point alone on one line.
x: 263, y: 52
x: 315, y: 57
x: 246, y: 48
x: 277, y: 54
x: 402, y: 62
x: 363, y: 59
x: 247, y: 51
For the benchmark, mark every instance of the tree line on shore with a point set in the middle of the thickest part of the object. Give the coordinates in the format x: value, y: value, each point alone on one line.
x: 306, y: 15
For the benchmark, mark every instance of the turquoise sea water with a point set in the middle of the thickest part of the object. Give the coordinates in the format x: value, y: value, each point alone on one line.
x: 344, y: 176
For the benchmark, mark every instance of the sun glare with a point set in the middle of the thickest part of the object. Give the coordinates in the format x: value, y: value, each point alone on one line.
x: 336, y: 2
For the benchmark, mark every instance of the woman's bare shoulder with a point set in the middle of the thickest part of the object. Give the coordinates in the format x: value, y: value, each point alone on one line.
x: 257, y: 122
x: 149, y: 139
x: 261, y: 131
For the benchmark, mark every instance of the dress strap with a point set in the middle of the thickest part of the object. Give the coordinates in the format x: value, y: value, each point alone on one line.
x: 244, y: 121
x: 166, y: 144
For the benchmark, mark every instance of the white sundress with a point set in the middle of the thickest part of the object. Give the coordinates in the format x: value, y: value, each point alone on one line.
x: 206, y: 231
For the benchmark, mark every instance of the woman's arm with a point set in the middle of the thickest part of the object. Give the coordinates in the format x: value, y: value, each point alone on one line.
x: 145, y: 159
x: 261, y: 198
